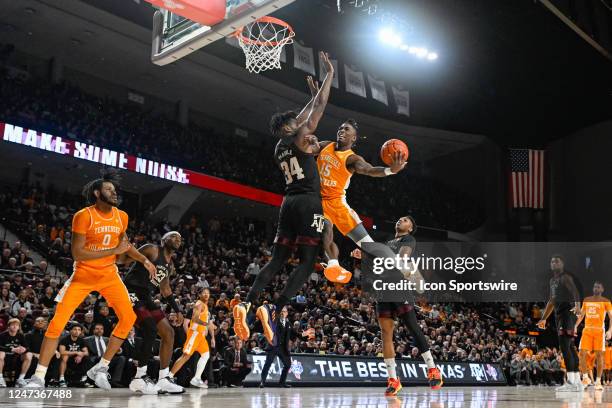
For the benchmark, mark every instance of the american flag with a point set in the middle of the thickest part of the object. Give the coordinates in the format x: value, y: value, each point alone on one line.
x: 527, y: 178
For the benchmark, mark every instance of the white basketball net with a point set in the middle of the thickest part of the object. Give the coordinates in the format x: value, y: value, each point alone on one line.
x: 262, y: 43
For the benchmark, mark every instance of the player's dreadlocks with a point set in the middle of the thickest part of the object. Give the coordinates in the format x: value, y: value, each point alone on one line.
x: 109, y: 176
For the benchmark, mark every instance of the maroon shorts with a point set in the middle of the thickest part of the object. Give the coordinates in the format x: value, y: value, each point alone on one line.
x: 393, y: 309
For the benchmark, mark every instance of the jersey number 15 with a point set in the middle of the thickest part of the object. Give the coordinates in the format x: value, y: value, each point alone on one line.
x: 292, y: 170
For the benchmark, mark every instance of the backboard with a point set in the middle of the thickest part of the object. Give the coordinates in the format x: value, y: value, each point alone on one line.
x: 175, y: 36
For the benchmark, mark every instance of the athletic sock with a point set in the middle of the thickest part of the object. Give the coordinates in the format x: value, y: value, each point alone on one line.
x: 390, y: 363
x: 41, y: 371
x: 21, y: 376
x: 163, y: 373
x: 201, y: 365
x: 141, y: 371
x: 428, y: 358
x: 333, y: 262
x: 170, y: 375
x: 103, y: 362
x: 62, y: 378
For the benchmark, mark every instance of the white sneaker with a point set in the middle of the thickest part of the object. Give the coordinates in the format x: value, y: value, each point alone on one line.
x: 2, y: 383
x: 35, y: 382
x: 170, y: 386
x: 20, y: 383
x: 567, y: 387
x: 197, y: 382
x: 598, y: 386
x: 99, y: 375
x: 144, y: 385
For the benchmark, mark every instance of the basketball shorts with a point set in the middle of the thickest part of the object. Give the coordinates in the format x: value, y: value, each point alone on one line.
x: 144, y: 306
x: 338, y: 212
x: 300, y: 221
x: 392, y: 310
x: 196, y: 341
x: 608, y: 359
x: 80, y: 284
x: 566, y: 319
x: 593, y: 340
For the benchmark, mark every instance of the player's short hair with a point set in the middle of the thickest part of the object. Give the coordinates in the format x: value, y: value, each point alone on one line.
x: 109, y: 176
x: 600, y: 283
x: 279, y: 120
x: 354, y: 124
x: 414, y: 224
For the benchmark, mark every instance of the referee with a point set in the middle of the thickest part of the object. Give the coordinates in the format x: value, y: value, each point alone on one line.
x: 281, y: 349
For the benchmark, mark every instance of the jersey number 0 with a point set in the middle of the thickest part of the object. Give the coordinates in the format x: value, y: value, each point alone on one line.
x: 292, y: 170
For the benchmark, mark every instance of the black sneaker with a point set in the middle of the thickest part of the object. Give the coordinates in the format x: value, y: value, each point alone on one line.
x: 62, y: 384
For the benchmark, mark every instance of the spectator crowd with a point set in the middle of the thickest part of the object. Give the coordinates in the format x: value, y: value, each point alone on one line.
x: 225, y: 256
x: 68, y: 111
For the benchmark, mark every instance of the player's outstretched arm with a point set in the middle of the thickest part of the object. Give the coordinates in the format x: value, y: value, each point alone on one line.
x: 309, y: 126
x: 358, y: 165
x: 313, y: 86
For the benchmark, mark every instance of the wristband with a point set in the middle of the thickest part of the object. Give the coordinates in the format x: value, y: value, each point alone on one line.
x: 388, y: 171
x: 172, y: 302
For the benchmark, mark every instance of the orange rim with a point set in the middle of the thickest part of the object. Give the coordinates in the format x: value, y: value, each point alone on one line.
x: 271, y: 20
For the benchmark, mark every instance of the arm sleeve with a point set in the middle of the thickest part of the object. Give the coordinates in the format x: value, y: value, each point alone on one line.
x: 81, y: 222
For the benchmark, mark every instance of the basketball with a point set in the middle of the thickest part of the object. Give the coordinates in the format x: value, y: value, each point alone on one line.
x: 388, y: 149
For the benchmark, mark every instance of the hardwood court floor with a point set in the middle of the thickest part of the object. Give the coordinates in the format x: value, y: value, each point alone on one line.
x: 334, y: 397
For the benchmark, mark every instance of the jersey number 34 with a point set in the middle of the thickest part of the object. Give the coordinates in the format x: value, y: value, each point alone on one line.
x: 292, y: 170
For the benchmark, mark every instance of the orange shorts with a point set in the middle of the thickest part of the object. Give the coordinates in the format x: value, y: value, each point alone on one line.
x: 196, y: 341
x: 80, y: 284
x: 593, y: 340
x: 338, y: 212
x: 608, y: 359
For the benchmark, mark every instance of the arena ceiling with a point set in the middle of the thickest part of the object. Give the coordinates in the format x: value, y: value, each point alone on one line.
x: 509, y: 70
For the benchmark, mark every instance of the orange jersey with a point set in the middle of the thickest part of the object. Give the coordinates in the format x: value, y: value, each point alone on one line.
x: 594, y: 311
x: 203, y: 316
x: 335, y: 177
x: 102, y: 231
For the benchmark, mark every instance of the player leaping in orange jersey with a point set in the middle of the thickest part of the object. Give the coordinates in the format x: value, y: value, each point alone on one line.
x: 593, y: 312
x: 337, y: 163
x: 98, y: 236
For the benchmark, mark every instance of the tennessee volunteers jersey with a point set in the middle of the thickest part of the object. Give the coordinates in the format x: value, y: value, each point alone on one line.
x: 102, y: 231
x: 203, y: 316
x: 335, y: 177
x: 594, y: 310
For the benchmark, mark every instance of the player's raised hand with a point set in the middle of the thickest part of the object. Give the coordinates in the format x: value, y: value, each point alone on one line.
x: 312, y: 85
x: 123, y: 246
x: 329, y: 67
x: 398, y: 163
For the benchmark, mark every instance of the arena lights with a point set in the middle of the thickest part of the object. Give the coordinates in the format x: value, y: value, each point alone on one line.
x: 390, y: 37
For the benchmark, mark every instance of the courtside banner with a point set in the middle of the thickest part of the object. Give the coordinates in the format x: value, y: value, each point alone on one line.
x: 329, y: 370
x: 69, y: 147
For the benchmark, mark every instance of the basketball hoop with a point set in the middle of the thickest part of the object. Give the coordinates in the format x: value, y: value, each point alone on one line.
x: 262, y: 42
